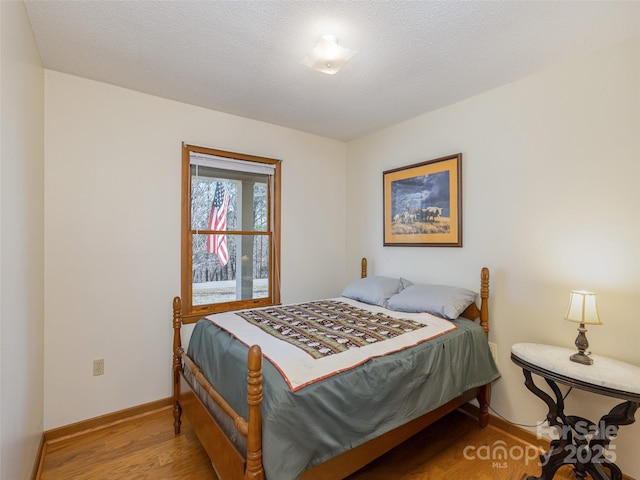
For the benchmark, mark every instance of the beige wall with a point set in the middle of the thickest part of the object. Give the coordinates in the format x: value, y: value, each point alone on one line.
x: 550, y: 172
x: 112, y: 233
x: 21, y: 243
x: 550, y: 165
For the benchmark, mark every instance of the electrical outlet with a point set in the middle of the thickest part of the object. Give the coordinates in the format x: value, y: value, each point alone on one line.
x: 494, y: 351
x: 98, y: 367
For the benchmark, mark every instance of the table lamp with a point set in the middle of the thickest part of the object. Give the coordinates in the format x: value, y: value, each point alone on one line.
x: 582, y: 310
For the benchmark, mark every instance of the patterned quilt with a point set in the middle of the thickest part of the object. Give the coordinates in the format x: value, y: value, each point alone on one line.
x: 328, y: 327
x: 312, y: 341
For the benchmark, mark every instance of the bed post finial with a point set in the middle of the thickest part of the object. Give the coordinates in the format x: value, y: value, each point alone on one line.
x: 177, y: 347
x: 363, y: 274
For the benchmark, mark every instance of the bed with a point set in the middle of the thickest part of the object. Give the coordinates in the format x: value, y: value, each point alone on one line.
x: 262, y: 420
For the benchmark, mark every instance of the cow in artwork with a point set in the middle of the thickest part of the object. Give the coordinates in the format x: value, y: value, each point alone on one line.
x: 431, y: 213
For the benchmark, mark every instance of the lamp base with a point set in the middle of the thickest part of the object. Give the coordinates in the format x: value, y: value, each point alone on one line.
x: 581, y: 344
x: 581, y: 357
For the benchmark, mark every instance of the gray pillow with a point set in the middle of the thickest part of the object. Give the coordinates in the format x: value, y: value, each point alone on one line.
x: 441, y: 300
x: 374, y: 290
x: 405, y: 283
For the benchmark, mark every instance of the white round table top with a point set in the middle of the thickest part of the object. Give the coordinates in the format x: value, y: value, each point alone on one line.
x: 604, y: 372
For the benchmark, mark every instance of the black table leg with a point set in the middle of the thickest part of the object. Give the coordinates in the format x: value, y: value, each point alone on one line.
x: 572, y: 448
x: 622, y: 414
x: 554, y: 458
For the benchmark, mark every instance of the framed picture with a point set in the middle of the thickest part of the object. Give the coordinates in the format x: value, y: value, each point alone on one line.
x: 423, y: 204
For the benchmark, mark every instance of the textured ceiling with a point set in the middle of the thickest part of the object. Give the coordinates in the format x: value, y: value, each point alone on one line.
x: 244, y: 57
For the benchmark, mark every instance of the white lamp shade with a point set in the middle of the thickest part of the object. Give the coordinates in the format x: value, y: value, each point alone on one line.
x: 583, y: 308
x: 327, y: 56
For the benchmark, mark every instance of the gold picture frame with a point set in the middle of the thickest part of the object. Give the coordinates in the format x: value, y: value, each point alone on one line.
x: 423, y: 204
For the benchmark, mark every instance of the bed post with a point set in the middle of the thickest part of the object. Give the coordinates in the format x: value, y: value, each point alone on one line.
x: 484, y: 295
x: 177, y: 323
x: 484, y: 391
x: 363, y: 266
x: 254, y: 469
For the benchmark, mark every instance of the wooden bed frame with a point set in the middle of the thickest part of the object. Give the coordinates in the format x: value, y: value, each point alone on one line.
x: 230, y: 464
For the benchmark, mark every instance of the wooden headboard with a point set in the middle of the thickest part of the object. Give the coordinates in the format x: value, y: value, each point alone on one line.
x: 473, y: 311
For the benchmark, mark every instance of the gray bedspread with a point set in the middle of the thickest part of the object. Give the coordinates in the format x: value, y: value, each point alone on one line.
x: 324, y: 419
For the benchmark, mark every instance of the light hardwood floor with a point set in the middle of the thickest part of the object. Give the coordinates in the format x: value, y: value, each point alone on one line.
x: 146, y: 448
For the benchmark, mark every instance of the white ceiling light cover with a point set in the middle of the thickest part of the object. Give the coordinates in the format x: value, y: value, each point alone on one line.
x: 327, y: 56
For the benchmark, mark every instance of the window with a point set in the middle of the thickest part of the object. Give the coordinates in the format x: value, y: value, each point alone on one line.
x: 230, y: 231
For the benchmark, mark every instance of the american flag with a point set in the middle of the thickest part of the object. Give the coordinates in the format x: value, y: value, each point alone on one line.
x: 218, y: 221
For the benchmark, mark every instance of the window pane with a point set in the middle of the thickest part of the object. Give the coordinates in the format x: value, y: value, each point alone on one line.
x: 237, y: 195
x: 230, y: 267
x: 246, y: 199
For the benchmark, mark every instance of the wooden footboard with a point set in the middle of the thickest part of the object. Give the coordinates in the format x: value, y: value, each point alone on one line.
x: 353, y: 460
x: 226, y: 460
x: 230, y: 464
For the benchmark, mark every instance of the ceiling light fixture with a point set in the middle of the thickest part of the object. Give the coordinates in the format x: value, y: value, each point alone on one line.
x: 327, y: 56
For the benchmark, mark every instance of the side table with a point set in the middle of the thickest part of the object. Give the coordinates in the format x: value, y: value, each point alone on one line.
x: 581, y: 443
